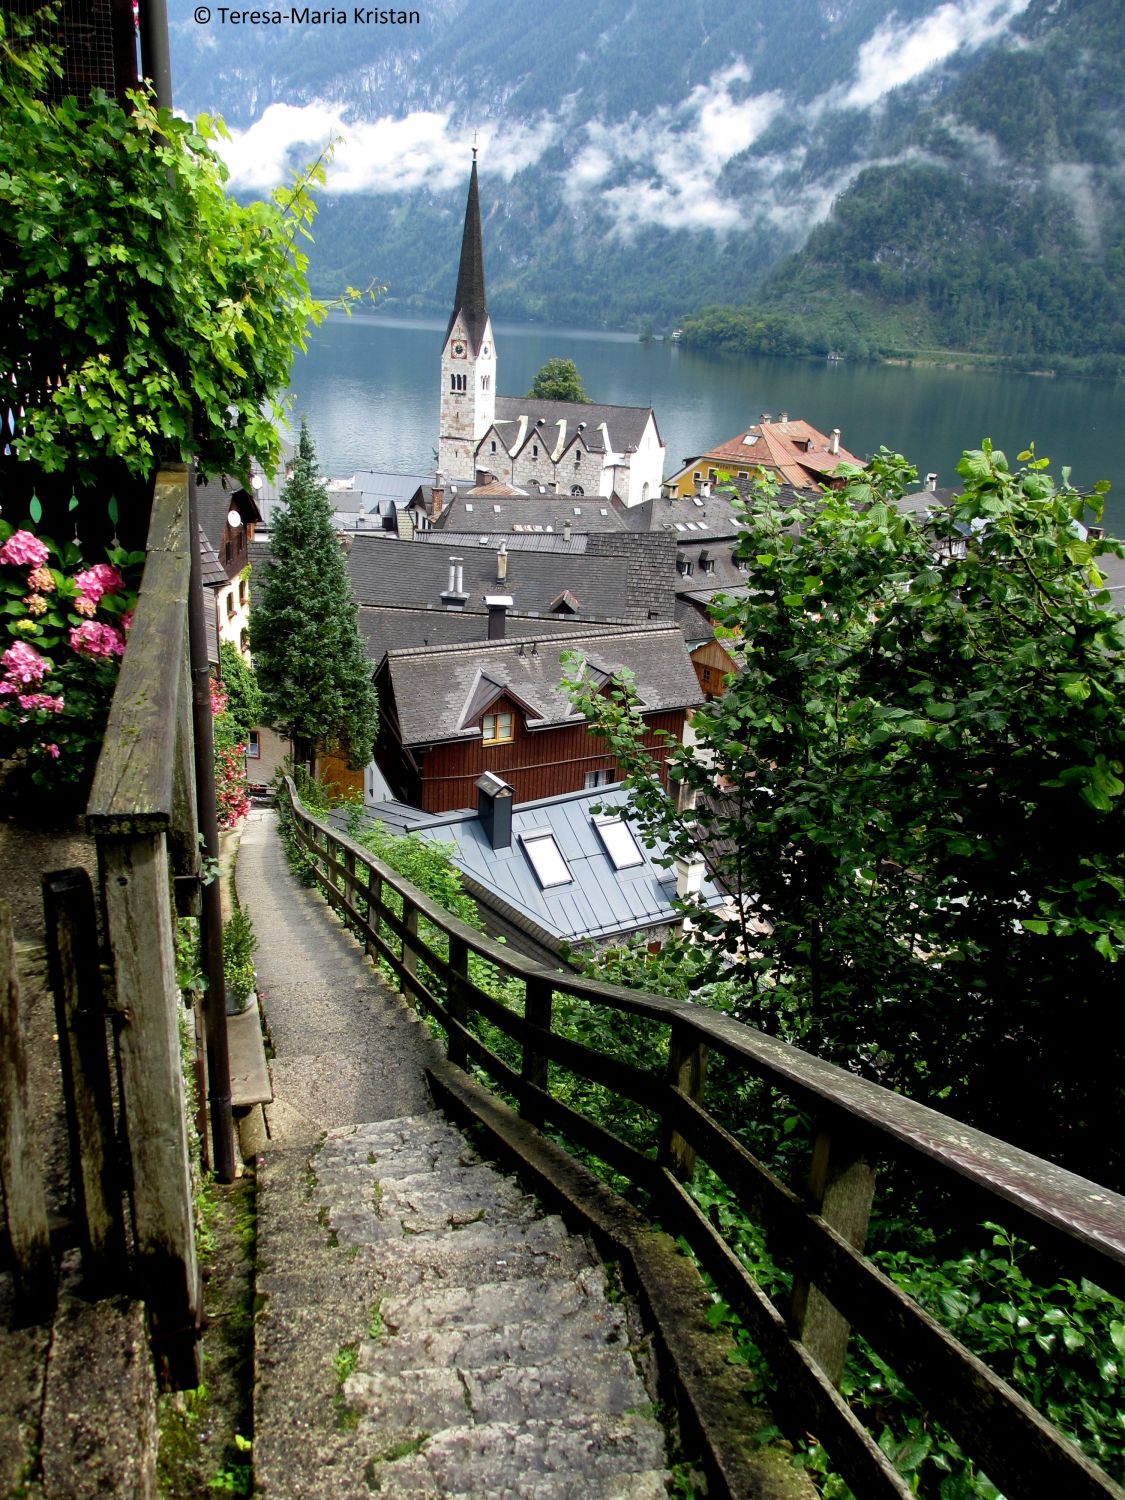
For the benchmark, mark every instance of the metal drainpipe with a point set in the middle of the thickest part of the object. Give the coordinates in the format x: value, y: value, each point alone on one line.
x: 211, y: 916
x: 156, y: 60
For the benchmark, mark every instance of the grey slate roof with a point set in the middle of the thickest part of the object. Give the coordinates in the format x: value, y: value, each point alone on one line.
x: 610, y: 587
x: 625, y: 424
x: 433, y: 685
x: 599, y: 902
x: 398, y: 627
x: 514, y: 541
x: 544, y: 512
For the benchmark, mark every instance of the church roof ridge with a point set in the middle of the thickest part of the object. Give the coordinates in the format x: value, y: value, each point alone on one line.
x: 469, y: 298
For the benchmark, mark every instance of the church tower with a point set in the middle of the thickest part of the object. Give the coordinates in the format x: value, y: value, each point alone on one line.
x: 468, y: 358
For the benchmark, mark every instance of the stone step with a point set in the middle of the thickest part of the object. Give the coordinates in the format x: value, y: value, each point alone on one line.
x: 394, y: 1406
x: 473, y: 1346
x: 566, y: 1460
x: 496, y: 1303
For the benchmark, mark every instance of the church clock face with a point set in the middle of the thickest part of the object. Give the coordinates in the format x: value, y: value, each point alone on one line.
x: 484, y: 351
x: 458, y: 349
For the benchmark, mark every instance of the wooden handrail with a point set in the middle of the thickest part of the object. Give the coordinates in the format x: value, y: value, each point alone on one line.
x: 134, y: 787
x: 1079, y: 1222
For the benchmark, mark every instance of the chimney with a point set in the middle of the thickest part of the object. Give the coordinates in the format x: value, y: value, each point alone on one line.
x: 705, y: 488
x: 455, y: 593
x: 931, y: 482
x: 689, y: 875
x: 494, y: 809
x: 502, y: 563
x: 483, y: 477
x: 498, y: 606
x: 437, y: 501
x: 566, y: 530
x: 765, y: 417
x: 834, y: 445
x: 784, y: 417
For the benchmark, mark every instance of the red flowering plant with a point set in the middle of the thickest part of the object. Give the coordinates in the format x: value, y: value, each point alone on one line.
x: 63, y: 636
x: 232, y: 795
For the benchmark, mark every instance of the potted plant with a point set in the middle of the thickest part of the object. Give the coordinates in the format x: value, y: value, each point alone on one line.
x: 239, y: 944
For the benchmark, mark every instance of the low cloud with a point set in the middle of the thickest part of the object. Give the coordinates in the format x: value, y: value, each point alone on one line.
x: 423, y: 149
x: 900, y: 51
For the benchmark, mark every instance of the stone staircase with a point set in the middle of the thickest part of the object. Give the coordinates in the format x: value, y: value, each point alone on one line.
x: 428, y: 1331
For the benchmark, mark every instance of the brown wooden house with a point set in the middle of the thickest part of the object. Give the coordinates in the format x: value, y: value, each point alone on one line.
x: 450, y: 713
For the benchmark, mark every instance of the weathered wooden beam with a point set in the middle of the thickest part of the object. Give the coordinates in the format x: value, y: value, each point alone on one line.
x: 458, y: 1009
x: 25, y: 1204
x: 80, y: 1017
x: 841, y: 1189
x: 687, y: 1073
x: 138, y: 906
x: 133, y: 787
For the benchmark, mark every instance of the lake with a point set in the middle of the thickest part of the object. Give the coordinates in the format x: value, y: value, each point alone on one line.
x: 369, y: 388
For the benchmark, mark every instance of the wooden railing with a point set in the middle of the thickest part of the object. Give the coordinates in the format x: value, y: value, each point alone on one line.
x: 142, y: 815
x: 819, y: 1237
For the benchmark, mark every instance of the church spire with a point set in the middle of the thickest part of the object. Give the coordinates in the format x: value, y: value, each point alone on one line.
x: 469, y: 298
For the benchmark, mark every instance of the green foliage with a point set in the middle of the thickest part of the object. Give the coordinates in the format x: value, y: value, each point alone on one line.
x: 244, y: 699
x: 558, y: 380
x: 314, y: 676
x: 239, y: 944
x: 148, y: 315
x: 923, y: 797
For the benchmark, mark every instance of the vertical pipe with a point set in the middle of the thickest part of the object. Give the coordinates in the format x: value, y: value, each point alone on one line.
x: 156, y: 59
x: 211, y: 916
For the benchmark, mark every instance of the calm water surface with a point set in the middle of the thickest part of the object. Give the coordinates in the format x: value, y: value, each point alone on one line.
x: 369, y: 387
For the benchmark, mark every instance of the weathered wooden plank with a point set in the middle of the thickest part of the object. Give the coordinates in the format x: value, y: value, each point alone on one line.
x: 687, y: 1073
x: 538, y: 1000
x: 25, y: 1204
x: 138, y: 905
x: 456, y: 1002
x: 133, y: 784
x: 75, y: 974
x: 841, y: 1188
x: 183, y: 832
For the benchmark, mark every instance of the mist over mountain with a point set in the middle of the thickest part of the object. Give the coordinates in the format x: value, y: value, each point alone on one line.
x: 640, y: 161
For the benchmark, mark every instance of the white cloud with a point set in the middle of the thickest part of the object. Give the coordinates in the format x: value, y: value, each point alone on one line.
x: 387, y: 155
x: 900, y: 51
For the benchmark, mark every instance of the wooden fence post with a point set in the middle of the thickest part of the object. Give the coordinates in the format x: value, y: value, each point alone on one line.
x: 374, y: 911
x: 349, y: 894
x: 687, y: 1072
x: 459, y: 963
x: 80, y: 1017
x: 538, y: 1003
x: 409, y: 951
x: 138, y: 905
x: 841, y: 1188
x: 25, y: 1204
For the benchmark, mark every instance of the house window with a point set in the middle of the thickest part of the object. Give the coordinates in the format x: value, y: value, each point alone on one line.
x: 697, y: 474
x: 230, y: 605
x: 535, y: 450
x: 494, y: 445
x: 496, y: 729
x: 486, y: 381
x: 577, y: 456
x: 243, y: 591
x: 576, y: 489
x: 594, y: 779
x: 706, y: 674
x: 545, y: 858
x: 253, y: 746
x: 620, y: 845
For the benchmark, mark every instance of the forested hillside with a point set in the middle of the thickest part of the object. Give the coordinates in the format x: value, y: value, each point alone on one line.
x: 1001, y: 232
x: 637, y: 166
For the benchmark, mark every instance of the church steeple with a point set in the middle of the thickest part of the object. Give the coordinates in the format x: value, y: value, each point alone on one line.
x: 469, y: 297
x: 468, y: 361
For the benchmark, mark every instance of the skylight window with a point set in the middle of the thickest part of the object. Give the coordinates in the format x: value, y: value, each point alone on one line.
x: 695, y: 500
x: 468, y: 506
x: 620, y: 845
x: 681, y: 526
x: 545, y: 858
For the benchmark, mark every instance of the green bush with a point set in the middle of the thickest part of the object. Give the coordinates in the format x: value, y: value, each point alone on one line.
x: 239, y: 944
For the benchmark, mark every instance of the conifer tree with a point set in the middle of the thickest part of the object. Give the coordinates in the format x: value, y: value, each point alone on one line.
x: 313, y: 673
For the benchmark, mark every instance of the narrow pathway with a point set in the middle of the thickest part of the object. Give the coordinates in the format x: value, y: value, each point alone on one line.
x: 426, y: 1329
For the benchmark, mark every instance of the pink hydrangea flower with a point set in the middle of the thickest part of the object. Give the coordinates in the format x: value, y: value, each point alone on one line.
x: 41, y: 581
x: 102, y: 578
x: 23, y: 664
x: 84, y: 606
x: 51, y: 750
x: 41, y: 700
x: 36, y: 604
x: 126, y: 620
x: 23, y: 549
x: 92, y: 638
x: 219, y: 698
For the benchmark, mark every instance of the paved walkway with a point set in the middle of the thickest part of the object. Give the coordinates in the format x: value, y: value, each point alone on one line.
x: 427, y: 1331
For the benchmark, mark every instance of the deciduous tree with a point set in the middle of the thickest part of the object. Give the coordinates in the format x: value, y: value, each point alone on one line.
x: 558, y: 380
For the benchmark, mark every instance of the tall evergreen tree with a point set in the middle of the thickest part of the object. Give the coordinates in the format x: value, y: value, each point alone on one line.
x: 312, y: 671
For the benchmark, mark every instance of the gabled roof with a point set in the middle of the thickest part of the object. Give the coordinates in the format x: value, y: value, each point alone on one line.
x: 527, y: 510
x: 434, y: 685
x: 484, y: 693
x: 625, y: 424
x: 395, y: 627
x: 795, y: 449
x: 468, y: 300
x: 215, y: 498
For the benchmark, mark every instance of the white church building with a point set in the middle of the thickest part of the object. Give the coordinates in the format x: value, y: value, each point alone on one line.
x: 573, y: 447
